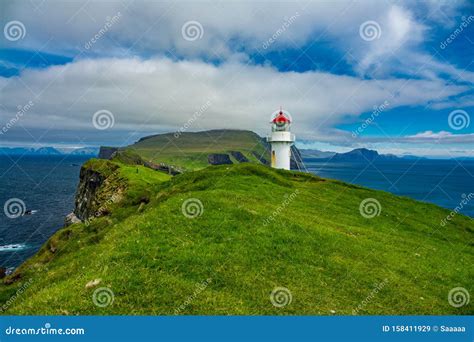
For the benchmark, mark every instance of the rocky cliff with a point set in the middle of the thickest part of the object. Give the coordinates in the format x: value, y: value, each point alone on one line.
x: 107, y: 152
x: 296, y: 162
x: 219, y: 159
x: 100, y: 184
x: 89, y: 184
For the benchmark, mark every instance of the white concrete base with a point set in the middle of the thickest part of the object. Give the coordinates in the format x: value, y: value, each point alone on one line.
x: 281, y: 149
x: 281, y: 155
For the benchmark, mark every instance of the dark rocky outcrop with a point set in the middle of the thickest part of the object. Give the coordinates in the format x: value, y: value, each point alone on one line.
x: 219, y: 159
x: 3, y: 272
x: 164, y: 167
x: 71, y: 218
x: 106, y: 152
x: 239, y: 156
x: 129, y: 158
x: 89, y: 183
x: 264, y: 157
x: 261, y: 158
x: 296, y: 162
x: 100, y: 185
x: 14, y: 277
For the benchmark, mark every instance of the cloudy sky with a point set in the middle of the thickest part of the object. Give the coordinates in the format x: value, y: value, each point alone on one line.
x: 394, y: 76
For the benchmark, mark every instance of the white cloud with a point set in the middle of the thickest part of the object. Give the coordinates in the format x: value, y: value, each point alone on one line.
x: 161, y: 94
x: 442, y: 136
x: 153, y: 93
x: 149, y: 28
x: 431, y: 135
x: 399, y: 31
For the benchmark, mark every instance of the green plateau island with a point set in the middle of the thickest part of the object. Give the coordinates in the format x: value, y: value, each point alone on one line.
x: 198, y: 223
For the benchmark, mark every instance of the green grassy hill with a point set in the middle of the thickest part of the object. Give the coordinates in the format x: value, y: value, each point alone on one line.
x: 220, y: 240
x: 190, y: 150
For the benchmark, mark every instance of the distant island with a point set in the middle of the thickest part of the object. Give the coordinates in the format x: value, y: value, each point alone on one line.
x: 356, y: 155
x: 49, y: 151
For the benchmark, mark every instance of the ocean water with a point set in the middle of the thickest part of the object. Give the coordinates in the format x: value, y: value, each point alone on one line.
x: 443, y: 182
x: 45, y: 184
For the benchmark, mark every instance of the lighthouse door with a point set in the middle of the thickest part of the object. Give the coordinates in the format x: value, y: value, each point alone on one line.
x: 273, y: 158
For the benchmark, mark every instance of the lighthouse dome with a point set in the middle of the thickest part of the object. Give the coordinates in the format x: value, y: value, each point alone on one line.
x: 281, y: 117
x: 281, y: 120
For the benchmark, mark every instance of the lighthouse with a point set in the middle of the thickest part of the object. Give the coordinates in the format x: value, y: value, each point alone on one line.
x: 281, y: 139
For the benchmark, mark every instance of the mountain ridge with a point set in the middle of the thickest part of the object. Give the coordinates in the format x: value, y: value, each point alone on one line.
x: 49, y: 151
x: 355, y: 155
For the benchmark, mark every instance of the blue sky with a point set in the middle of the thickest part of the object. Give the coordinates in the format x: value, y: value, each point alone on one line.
x: 153, y: 66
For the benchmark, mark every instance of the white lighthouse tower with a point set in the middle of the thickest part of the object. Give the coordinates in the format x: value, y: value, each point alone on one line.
x: 281, y: 140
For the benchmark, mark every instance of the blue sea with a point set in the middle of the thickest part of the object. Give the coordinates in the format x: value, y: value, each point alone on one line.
x: 443, y: 182
x: 48, y: 184
x: 45, y: 184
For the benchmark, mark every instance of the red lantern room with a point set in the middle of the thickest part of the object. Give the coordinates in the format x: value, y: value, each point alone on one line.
x: 281, y: 121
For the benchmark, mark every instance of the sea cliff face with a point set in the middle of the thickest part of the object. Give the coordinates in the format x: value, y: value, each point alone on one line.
x: 86, y: 196
x: 97, y: 185
x: 106, y: 152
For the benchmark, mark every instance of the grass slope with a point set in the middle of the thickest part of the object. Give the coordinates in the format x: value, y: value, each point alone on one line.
x: 230, y: 258
x: 189, y: 150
